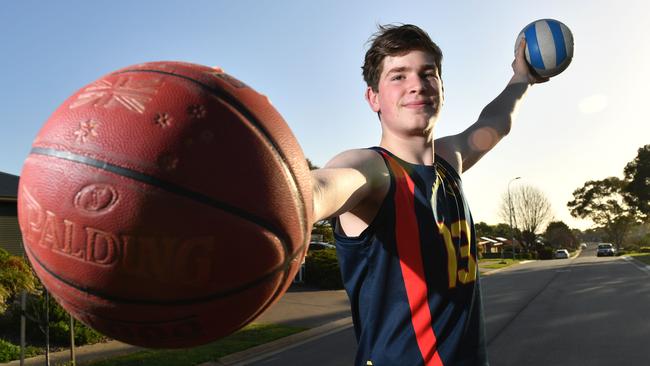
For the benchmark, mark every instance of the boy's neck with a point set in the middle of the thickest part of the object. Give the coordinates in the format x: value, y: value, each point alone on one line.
x: 415, y: 150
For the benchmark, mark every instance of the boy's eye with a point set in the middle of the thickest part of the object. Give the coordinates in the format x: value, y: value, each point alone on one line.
x: 431, y: 75
x: 397, y: 77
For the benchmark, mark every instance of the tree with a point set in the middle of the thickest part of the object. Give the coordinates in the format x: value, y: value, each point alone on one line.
x: 637, y: 187
x: 503, y: 230
x: 596, y: 234
x: 559, y: 235
x: 483, y: 229
x: 311, y: 165
x: 604, y: 203
x: 499, y: 230
x: 15, y: 276
x: 324, y: 229
x: 531, y: 211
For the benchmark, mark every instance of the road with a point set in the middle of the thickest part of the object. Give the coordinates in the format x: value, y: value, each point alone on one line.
x: 579, y: 311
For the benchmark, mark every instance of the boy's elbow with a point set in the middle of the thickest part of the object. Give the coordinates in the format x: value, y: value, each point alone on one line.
x: 317, y: 187
x: 507, y: 126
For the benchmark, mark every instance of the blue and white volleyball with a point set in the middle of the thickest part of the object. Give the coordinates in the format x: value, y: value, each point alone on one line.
x: 549, y: 46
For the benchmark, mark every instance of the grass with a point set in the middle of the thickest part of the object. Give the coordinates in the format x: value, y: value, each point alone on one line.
x: 250, y: 336
x: 497, y: 263
x: 643, y: 257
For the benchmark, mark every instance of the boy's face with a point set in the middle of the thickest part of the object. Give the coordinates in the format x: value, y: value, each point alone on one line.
x: 409, y: 93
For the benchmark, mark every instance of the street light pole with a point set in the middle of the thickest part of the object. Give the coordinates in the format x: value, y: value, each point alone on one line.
x: 512, y: 231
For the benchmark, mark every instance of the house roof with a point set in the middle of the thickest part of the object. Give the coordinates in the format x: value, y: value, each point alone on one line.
x: 488, y: 239
x: 8, y: 185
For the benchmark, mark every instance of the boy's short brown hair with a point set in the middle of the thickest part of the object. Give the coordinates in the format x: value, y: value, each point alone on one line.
x: 395, y: 40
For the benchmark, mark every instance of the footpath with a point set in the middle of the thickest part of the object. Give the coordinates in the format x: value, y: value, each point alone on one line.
x: 322, y: 312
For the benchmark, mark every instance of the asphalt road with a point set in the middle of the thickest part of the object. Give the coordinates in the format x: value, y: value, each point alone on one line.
x: 580, y: 311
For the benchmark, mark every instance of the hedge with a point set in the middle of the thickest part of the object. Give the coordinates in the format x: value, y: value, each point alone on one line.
x: 322, y: 269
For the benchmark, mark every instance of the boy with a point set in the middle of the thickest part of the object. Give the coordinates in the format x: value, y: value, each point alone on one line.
x: 404, y: 234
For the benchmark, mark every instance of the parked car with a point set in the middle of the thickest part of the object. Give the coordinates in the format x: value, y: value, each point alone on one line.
x: 561, y: 253
x: 605, y: 249
x: 583, y: 245
x: 320, y: 245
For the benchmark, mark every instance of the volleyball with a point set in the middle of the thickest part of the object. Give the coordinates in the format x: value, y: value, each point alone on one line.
x: 549, y: 46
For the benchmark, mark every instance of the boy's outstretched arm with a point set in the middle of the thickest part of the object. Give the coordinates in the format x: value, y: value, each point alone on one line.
x: 345, y: 182
x: 466, y: 148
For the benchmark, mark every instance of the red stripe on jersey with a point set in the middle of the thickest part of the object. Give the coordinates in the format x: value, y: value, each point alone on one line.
x: 408, y: 248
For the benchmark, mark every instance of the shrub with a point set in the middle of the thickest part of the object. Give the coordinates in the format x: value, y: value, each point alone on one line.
x: 545, y: 253
x: 60, y: 333
x: 528, y: 255
x: 15, y: 276
x: 322, y: 269
x: 59, y: 324
x: 8, y: 351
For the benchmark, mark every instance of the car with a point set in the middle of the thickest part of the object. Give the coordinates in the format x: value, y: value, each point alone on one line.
x: 583, y: 245
x: 605, y: 249
x: 561, y: 253
x: 320, y: 245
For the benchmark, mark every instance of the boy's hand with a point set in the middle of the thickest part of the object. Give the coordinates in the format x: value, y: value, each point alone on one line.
x: 522, y: 70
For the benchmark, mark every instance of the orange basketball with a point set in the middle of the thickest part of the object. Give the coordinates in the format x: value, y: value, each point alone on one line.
x: 165, y: 205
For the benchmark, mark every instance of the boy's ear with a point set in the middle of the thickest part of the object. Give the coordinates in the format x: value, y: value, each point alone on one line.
x: 372, y: 98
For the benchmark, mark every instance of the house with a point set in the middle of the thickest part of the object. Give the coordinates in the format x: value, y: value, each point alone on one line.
x: 488, y: 245
x: 11, y: 239
x: 497, y: 245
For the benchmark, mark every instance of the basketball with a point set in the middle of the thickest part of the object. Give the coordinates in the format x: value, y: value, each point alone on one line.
x: 549, y: 46
x: 165, y: 205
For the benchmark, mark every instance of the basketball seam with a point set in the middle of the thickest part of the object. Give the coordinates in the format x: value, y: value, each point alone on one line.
x: 155, y: 182
x: 250, y: 117
x: 113, y: 298
x: 231, y: 101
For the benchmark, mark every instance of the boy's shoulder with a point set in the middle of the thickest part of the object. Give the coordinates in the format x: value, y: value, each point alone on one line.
x: 366, y: 160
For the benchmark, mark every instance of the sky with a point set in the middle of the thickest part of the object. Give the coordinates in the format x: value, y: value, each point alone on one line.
x: 306, y: 56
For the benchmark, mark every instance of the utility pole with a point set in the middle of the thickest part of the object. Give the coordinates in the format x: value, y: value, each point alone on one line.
x: 73, y: 358
x: 23, y: 300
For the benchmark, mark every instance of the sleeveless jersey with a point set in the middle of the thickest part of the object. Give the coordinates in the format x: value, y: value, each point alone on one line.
x: 412, y: 275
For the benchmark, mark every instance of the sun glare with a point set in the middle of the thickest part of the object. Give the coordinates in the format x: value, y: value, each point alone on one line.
x: 593, y: 104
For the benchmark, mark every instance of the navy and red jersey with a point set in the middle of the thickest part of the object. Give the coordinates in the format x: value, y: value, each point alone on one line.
x: 412, y: 275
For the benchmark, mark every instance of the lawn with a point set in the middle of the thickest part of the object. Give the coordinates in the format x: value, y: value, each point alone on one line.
x: 250, y: 336
x: 643, y: 257
x: 496, y: 263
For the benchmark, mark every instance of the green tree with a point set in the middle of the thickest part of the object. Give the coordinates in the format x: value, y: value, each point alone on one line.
x: 15, y: 276
x: 483, y: 229
x: 559, y: 235
x: 596, y: 234
x: 604, y: 203
x: 503, y: 230
x: 637, y: 177
x: 324, y: 228
x: 499, y: 230
x: 311, y: 165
